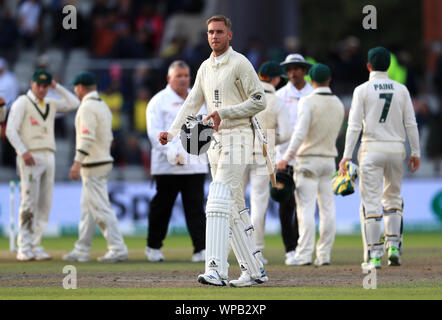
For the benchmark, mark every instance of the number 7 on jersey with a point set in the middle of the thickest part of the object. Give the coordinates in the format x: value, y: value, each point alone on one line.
x: 386, y: 108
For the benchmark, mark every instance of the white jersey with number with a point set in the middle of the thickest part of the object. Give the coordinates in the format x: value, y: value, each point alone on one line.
x: 382, y: 108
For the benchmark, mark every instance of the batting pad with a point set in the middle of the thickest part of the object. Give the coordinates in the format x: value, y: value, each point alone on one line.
x: 371, y: 235
x: 218, y: 209
x: 393, y: 228
x: 243, y: 248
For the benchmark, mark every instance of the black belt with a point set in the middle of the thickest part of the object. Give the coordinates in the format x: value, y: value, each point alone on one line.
x: 95, y: 164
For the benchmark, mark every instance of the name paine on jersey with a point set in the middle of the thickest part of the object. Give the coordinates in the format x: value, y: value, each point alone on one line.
x: 383, y: 86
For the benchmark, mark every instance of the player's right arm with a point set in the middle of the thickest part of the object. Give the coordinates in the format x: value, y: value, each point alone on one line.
x: 354, y: 128
x: 16, y: 117
x: 191, y: 105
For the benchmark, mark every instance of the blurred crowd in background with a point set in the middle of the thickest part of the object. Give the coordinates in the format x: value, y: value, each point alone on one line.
x: 123, y: 42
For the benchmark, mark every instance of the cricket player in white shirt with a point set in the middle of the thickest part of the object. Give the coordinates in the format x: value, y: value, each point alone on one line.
x: 30, y: 130
x: 174, y: 170
x: 296, y: 69
x: 383, y: 110
x: 221, y: 82
x: 320, y: 117
x: 93, y: 162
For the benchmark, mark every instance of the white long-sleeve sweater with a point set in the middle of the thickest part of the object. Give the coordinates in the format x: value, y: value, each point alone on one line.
x: 30, y: 124
x: 382, y: 108
x: 215, y: 86
x: 320, y: 117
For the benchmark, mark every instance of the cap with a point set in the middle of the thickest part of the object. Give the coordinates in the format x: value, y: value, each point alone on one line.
x: 319, y: 73
x: 269, y: 69
x: 379, y: 58
x: 85, y: 78
x: 42, y: 76
x: 297, y: 59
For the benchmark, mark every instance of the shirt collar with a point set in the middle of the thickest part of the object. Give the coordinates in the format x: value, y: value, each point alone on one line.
x: 268, y: 87
x: 225, y: 57
x: 378, y: 75
x: 322, y: 90
x: 92, y: 94
x: 31, y: 95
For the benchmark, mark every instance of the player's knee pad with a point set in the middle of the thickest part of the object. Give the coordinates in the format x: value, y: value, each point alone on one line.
x: 393, y: 227
x: 218, y: 207
x: 371, y: 234
x: 242, y: 245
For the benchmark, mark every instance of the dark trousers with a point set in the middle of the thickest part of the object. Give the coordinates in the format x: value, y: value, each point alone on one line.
x: 191, y: 187
x: 289, y: 221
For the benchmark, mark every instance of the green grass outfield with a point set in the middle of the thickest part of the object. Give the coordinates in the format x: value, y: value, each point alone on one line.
x: 177, y: 249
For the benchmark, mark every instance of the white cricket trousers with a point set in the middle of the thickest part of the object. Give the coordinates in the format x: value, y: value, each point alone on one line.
x: 96, y: 209
x: 381, y: 165
x: 313, y: 178
x: 380, y: 180
x: 259, y: 179
x: 37, y: 185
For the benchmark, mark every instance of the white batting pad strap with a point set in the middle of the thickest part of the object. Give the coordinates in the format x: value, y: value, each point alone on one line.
x: 217, y: 243
x: 371, y: 234
x: 245, y: 253
x: 393, y: 226
x: 245, y: 218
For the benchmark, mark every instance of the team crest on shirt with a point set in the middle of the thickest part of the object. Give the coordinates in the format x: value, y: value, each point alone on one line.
x: 84, y: 130
x: 33, y: 121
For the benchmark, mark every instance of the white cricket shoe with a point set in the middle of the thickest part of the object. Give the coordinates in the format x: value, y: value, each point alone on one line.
x: 75, y: 256
x: 212, y: 278
x: 199, y: 256
x: 246, y: 281
x: 40, y: 254
x: 289, y: 255
x: 320, y: 263
x: 27, y: 255
x: 154, y: 255
x: 292, y: 261
x: 114, y: 256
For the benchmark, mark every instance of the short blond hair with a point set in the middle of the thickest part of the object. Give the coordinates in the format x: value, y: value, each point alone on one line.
x: 221, y: 18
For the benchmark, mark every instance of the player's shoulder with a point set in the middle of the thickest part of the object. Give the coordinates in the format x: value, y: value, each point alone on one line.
x: 403, y: 88
x: 20, y: 99
x: 20, y: 102
x: 240, y: 59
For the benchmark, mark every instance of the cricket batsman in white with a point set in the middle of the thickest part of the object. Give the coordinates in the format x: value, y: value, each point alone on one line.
x: 216, y: 86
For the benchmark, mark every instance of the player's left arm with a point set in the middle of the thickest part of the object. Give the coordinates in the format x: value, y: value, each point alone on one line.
x: 253, y: 90
x: 412, y: 133
x: 87, y: 125
x: 354, y: 128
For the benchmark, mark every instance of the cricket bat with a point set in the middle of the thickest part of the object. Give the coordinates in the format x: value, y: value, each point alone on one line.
x: 261, y: 137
